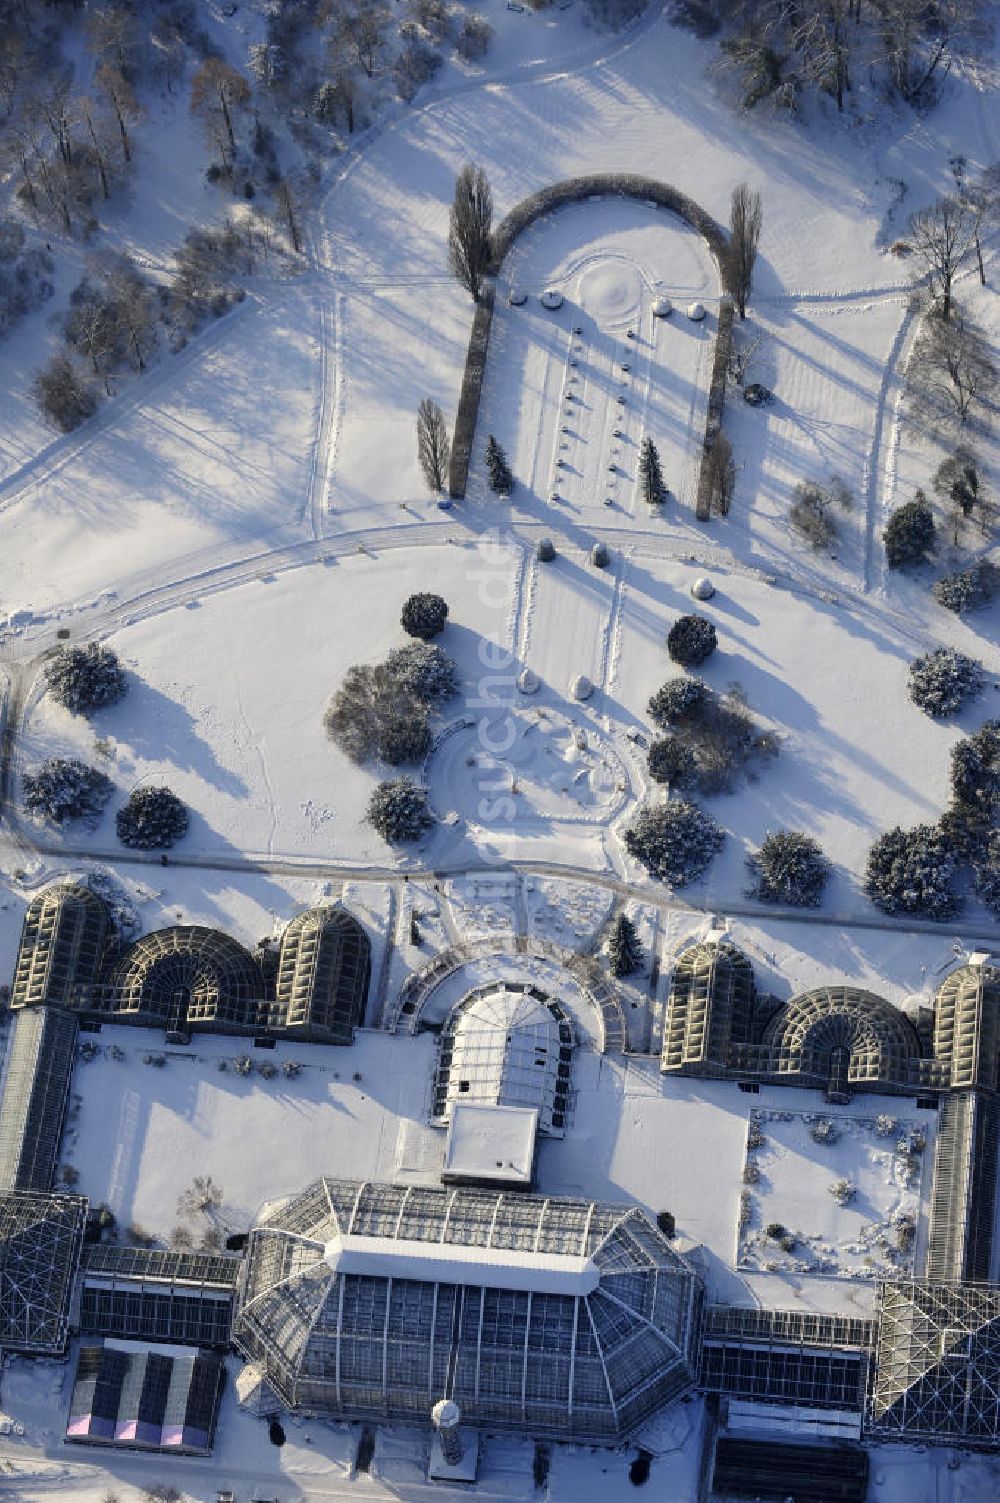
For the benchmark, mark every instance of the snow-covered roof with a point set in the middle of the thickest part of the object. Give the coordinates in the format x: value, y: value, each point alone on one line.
x: 506, y: 1044
x: 491, y: 1145
x: 450, y: 1263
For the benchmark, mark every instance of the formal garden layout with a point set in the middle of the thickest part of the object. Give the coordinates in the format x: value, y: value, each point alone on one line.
x: 500, y: 750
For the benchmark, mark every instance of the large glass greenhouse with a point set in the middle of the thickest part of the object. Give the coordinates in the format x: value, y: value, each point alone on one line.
x: 561, y: 1318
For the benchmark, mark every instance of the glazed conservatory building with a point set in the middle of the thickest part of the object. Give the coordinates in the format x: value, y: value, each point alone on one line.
x: 562, y: 1317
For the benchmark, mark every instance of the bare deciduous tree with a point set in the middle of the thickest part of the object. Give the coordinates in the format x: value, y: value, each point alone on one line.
x: 742, y: 353
x: 433, y: 445
x: 284, y: 198
x: 942, y: 237
x: 470, y: 243
x: 113, y: 36
x: 217, y: 92
x: 951, y: 370
x: 959, y: 483
x: 98, y: 137
x: 121, y: 97
x: 745, y: 219
x: 63, y: 395
x: 919, y: 38
x: 823, y: 37
x: 362, y: 30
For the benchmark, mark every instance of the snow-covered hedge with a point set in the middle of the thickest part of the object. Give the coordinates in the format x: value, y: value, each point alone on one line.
x: 153, y: 819
x: 942, y: 681
x: 975, y: 768
x: 671, y: 762
x: 790, y: 867
x: 909, y: 533
x: 986, y: 870
x: 85, y: 678
x: 425, y: 671
x: 398, y: 811
x: 675, y: 842
x: 64, y: 788
x: 911, y: 871
x: 676, y: 700
x: 968, y: 589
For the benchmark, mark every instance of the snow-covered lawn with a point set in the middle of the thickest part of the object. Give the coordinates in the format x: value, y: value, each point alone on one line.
x: 572, y: 393
x: 142, y: 1131
x: 832, y: 1195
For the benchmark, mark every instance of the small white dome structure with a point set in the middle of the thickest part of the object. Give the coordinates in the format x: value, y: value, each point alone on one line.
x: 662, y: 307
x: 551, y: 298
x: 517, y: 297
x: 703, y: 588
x: 581, y: 687
x: 528, y: 681
x: 696, y: 312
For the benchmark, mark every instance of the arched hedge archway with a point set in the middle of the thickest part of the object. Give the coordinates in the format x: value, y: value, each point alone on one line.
x: 556, y: 196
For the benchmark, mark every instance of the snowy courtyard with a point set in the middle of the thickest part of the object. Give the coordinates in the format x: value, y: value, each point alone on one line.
x: 839, y: 1196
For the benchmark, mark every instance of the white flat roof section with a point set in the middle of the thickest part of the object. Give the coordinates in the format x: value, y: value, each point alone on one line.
x: 458, y: 1263
x: 491, y: 1145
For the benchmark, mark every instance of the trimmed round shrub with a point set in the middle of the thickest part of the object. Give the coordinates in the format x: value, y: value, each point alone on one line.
x: 909, y: 533
x: 424, y: 616
x: 675, y: 842
x: 153, y: 819
x: 64, y: 788
x: 943, y: 680
x: 911, y: 871
x: 975, y: 768
x: 398, y: 810
x: 85, y: 678
x: 967, y: 589
x: 691, y: 640
x: 790, y: 868
x: 423, y: 670
x: 671, y: 762
x: 676, y: 700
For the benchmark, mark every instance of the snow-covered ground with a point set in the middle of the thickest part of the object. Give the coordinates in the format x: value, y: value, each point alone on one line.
x: 841, y: 1189
x: 243, y: 523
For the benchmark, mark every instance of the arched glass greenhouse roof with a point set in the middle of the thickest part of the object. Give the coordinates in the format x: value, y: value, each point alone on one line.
x: 506, y: 1045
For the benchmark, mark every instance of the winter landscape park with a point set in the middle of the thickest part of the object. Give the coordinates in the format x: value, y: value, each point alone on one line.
x: 499, y: 751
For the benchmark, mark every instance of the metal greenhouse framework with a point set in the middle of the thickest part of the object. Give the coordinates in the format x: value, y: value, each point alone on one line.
x: 936, y: 1374
x: 963, y: 1193
x: 189, y: 975
x: 36, y: 1085
x: 709, y: 1009
x: 967, y: 1027
x: 64, y: 940
x: 40, y: 1241
x: 323, y: 974
x: 506, y: 1045
x: 560, y: 1317
x: 146, y: 1294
